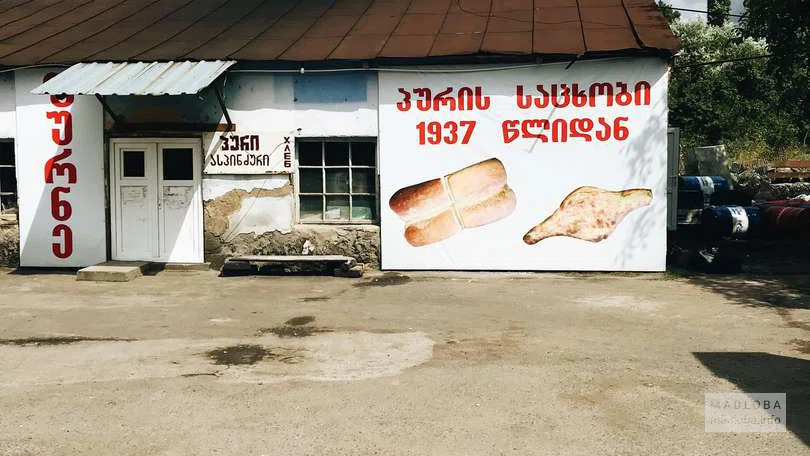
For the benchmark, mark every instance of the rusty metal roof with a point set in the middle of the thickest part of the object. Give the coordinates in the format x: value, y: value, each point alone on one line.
x: 70, y: 31
x: 135, y: 78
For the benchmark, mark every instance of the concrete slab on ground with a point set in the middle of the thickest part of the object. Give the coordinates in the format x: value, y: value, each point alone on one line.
x: 113, y: 271
x: 398, y: 364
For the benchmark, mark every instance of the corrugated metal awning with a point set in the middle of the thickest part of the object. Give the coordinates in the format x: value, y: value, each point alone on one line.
x: 135, y: 78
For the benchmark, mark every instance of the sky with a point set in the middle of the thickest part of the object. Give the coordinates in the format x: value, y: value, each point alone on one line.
x: 736, y: 7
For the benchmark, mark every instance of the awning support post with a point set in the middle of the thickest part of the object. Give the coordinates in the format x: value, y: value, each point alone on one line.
x: 118, y: 121
x: 224, y: 108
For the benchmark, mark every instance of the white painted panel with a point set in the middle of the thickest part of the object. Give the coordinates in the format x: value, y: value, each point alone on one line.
x: 542, y: 171
x: 177, y: 240
x: 80, y: 238
x: 250, y: 152
x: 136, y: 202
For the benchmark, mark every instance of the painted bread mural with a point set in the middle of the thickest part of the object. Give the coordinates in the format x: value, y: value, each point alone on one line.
x: 437, y: 209
x: 590, y: 214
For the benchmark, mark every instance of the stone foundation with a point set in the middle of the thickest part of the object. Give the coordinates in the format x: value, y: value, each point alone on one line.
x: 359, y: 241
x: 254, y: 215
x: 9, y: 246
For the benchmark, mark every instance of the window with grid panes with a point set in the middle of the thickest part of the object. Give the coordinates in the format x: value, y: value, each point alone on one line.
x: 8, y: 179
x: 337, y: 180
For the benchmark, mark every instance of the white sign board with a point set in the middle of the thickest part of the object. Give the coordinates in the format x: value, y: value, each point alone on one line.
x: 544, y: 168
x: 250, y: 153
x: 60, y: 176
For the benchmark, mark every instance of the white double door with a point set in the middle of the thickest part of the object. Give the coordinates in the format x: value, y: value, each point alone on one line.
x: 156, y: 201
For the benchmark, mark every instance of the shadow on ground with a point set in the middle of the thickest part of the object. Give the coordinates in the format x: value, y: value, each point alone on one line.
x: 789, y: 291
x: 767, y: 373
x: 27, y: 271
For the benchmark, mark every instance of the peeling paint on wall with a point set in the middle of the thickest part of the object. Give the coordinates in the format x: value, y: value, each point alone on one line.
x: 259, y: 215
x: 262, y: 209
x: 214, y: 187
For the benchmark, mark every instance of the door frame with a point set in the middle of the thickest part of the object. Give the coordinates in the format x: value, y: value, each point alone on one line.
x: 196, y: 144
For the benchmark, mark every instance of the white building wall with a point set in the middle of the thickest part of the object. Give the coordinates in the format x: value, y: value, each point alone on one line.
x: 8, y: 118
x: 278, y: 105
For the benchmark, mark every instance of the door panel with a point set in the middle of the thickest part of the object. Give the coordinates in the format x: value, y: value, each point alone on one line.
x: 180, y: 205
x: 157, y: 201
x: 136, y: 201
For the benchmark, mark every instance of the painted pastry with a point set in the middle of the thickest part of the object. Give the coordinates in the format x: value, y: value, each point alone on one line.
x: 590, y: 214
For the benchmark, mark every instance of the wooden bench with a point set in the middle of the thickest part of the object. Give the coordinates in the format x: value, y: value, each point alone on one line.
x: 340, y: 265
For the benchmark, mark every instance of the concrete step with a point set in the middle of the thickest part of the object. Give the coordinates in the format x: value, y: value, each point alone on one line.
x: 113, y: 271
x: 186, y: 266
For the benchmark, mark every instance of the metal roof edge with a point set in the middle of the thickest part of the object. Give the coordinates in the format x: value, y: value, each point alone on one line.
x: 473, y: 59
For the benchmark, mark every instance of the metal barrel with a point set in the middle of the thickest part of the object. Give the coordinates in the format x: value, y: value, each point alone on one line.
x: 695, y: 193
x: 689, y: 199
x: 792, y: 203
x: 704, y: 184
x: 786, y: 222
x: 732, y: 221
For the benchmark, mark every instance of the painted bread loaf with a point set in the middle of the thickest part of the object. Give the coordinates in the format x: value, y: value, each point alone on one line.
x: 439, y: 208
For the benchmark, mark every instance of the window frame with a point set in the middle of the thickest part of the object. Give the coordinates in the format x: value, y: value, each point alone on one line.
x: 323, y: 167
x: 16, y: 192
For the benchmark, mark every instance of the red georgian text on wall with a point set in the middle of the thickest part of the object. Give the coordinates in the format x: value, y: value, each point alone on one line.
x: 60, y: 173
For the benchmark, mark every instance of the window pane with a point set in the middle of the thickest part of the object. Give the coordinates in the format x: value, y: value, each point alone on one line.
x: 337, y: 208
x: 337, y: 153
x: 337, y: 181
x: 362, y: 180
x: 178, y: 164
x: 311, y: 180
x: 309, y: 154
x: 134, y: 165
x: 311, y: 208
x: 8, y: 181
x: 363, y: 207
x: 6, y: 153
x: 363, y: 153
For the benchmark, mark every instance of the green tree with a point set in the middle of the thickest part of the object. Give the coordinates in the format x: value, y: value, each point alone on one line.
x: 718, y: 12
x: 785, y: 27
x: 670, y: 14
x: 736, y: 103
